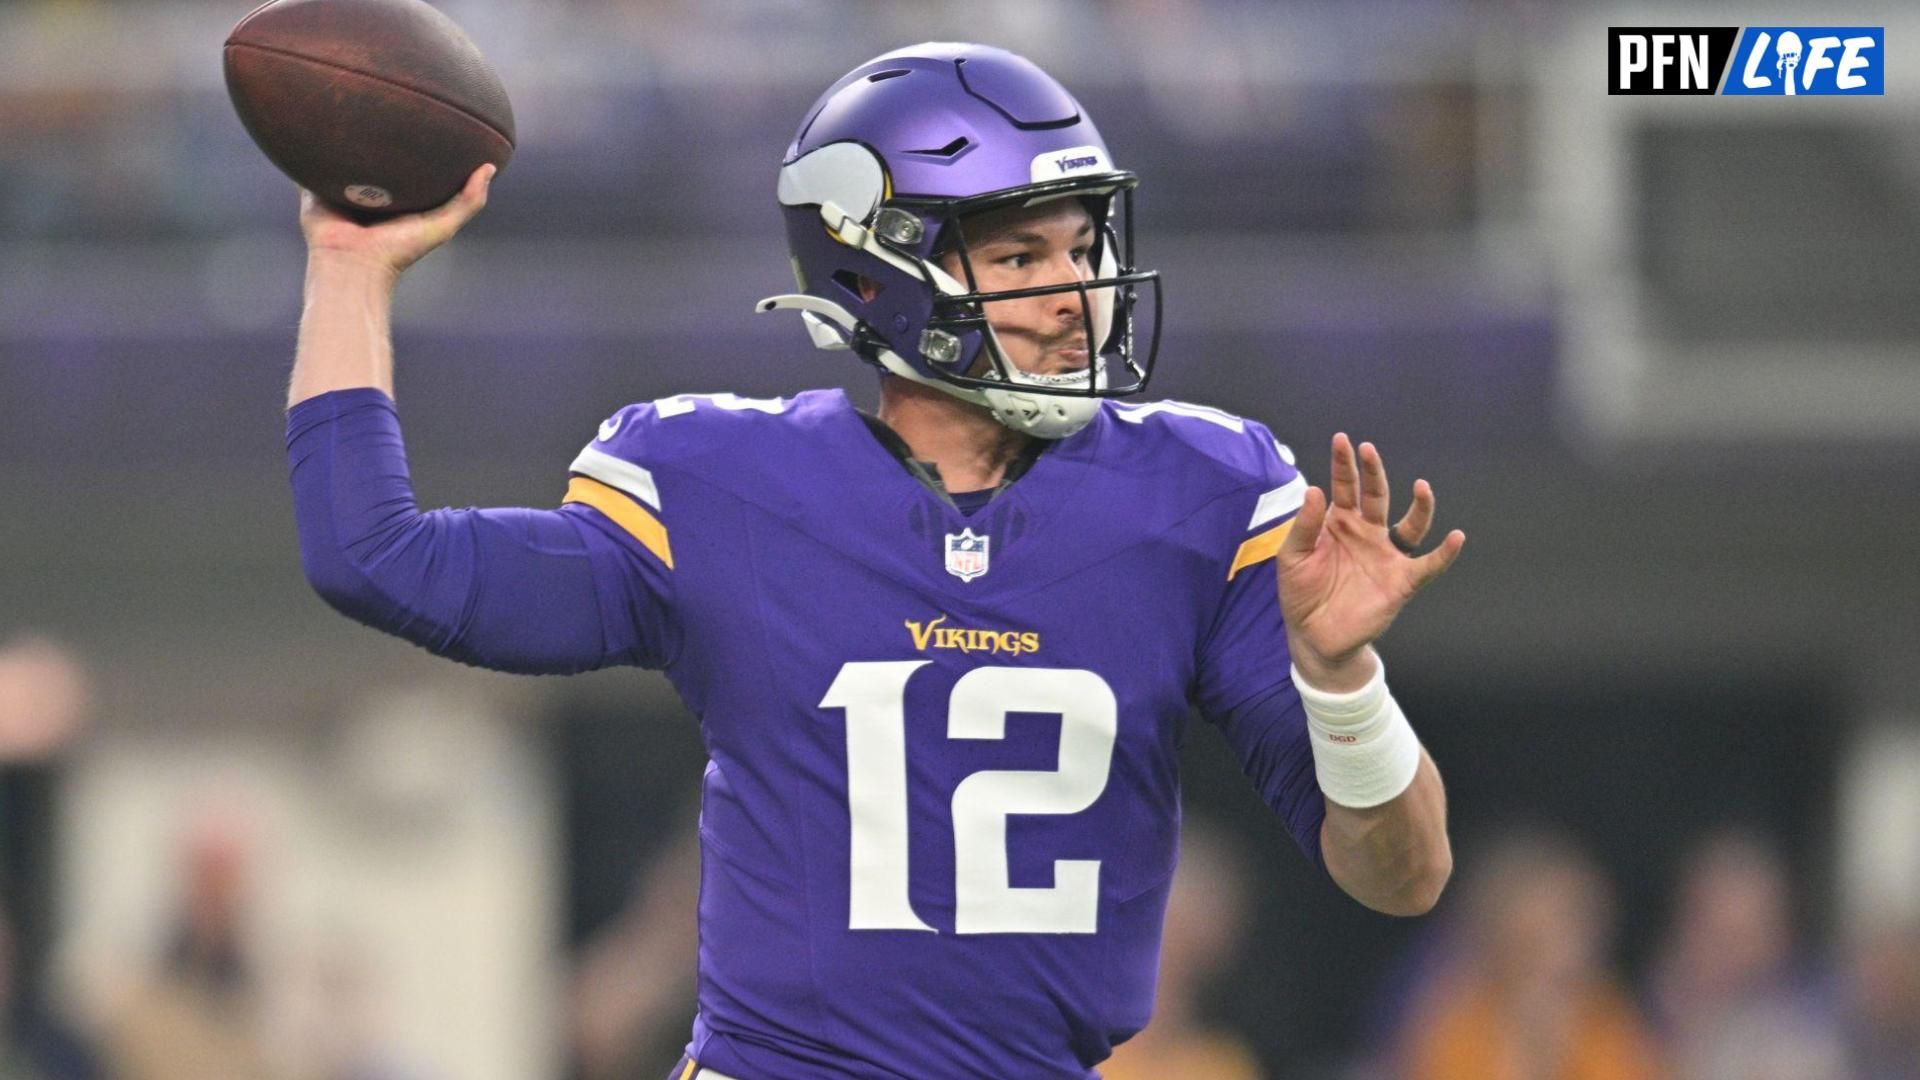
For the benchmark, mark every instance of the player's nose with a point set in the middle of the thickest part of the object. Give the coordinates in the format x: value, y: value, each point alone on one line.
x: 1066, y: 302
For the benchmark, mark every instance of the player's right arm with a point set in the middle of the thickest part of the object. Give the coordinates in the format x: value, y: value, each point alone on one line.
x: 345, y: 323
x: 540, y: 591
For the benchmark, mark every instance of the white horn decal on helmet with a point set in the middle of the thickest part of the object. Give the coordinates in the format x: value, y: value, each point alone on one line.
x: 845, y: 173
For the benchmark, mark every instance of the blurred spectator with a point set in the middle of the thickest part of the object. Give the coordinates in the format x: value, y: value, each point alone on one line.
x: 1528, y: 994
x: 197, y: 1018
x: 13, y: 1059
x: 1883, y: 997
x: 1206, y: 914
x: 44, y: 697
x: 633, y: 987
x: 1725, y: 992
x: 33, y: 1047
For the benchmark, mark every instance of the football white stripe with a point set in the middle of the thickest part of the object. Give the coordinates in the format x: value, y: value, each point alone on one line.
x: 615, y: 473
x: 1279, y: 502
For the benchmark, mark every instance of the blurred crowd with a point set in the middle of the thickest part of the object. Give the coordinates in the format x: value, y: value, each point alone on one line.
x: 114, y: 121
x: 1522, y: 982
x: 1518, y: 978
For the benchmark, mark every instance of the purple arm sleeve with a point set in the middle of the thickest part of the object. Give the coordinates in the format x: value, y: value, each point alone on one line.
x: 1244, y: 689
x: 534, y: 591
x: 1268, y: 735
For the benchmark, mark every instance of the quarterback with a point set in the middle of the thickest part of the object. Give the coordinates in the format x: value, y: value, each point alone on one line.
x: 942, y: 657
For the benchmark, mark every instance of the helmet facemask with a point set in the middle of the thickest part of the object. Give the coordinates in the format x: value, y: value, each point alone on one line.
x: 961, y: 346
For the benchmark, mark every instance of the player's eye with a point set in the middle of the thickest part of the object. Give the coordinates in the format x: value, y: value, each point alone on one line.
x: 1080, y: 254
x: 1019, y: 260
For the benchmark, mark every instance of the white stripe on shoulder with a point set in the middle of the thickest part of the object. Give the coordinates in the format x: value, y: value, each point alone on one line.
x: 1279, y: 502
x: 1137, y: 414
x: 615, y: 473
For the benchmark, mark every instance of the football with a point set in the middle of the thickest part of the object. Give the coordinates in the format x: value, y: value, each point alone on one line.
x: 378, y: 107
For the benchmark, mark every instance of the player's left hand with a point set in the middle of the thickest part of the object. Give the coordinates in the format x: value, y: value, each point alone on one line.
x: 1342, y: 579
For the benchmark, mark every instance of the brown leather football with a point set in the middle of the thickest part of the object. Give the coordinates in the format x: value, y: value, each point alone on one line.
x: 379, y: 107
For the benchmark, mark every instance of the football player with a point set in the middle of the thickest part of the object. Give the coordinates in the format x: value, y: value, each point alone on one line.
x: 942, y: 658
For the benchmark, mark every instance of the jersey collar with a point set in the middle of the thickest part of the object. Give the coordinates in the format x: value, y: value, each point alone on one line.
x: 928, y: 473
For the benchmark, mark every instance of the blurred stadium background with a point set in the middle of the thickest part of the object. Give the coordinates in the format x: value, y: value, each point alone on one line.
x: 1660, y: 357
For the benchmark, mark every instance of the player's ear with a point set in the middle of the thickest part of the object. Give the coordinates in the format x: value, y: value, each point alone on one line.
x: 869, y: 288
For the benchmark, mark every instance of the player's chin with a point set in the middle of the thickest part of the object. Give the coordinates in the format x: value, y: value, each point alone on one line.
x: 1058, y: 363
x: 1058, y: 366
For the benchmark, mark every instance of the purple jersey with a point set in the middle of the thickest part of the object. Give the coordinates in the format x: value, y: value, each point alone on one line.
x: 940, y: 818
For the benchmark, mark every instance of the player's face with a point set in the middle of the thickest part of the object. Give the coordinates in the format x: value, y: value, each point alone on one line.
x: 1022, y: 247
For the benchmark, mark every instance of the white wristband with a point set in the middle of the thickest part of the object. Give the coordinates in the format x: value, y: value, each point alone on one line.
x: 1364, y: 751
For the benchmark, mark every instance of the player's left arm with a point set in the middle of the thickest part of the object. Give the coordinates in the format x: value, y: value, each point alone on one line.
x: 1342, y: 581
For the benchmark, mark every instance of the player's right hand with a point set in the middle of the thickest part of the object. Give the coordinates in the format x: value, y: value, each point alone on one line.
x: 396, y: 243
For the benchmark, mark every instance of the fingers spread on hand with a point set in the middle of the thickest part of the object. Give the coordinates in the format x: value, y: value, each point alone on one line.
x: 1435, y: 562
x: 1374, y: 493
x: 1346, y: 477
x: 1412, y: 528
x: 1306, y: 526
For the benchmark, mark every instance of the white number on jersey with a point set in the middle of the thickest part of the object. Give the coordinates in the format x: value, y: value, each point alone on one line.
x: 682, y: 404
x: 873, y: 693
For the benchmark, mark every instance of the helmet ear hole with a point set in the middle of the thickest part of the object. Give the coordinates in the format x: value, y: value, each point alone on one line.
x: 858, y: 286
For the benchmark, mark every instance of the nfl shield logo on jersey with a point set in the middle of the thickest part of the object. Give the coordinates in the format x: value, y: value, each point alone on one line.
x: 966, y: 555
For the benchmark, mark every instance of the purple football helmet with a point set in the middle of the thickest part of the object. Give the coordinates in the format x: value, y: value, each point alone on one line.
x: 886, y: 165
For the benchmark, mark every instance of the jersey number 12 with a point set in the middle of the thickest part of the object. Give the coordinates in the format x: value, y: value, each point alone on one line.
x: 873, y: 693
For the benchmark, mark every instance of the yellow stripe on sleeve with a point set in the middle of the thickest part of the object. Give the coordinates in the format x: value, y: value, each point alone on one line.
x: 625, y: 513
x: 688, y: 1071
x: 1260, y: 548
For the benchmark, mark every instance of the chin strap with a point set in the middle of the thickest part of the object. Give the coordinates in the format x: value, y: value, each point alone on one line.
x: 1042, y: 415
x: 833, y: 327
